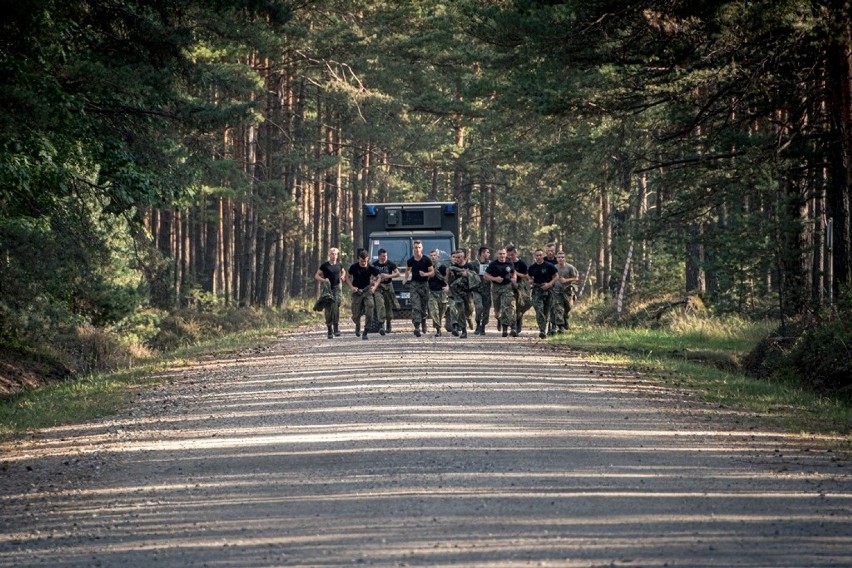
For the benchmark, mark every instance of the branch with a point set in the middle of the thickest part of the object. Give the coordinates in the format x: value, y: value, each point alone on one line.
x: 690, y: 161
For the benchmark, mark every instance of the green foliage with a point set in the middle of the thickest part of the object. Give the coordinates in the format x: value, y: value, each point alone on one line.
x: 823, y: 356
x: 103, y: 114
x: 64, y: 268
x: 814, y: 352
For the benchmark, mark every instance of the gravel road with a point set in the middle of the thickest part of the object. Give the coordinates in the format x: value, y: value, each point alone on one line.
x: 400, y: 451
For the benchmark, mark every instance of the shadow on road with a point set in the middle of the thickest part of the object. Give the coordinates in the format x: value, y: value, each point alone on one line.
x: 430, y: 451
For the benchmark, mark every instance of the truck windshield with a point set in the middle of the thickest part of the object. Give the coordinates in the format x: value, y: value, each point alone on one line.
x: 399, y: 248
x: 442, y: 244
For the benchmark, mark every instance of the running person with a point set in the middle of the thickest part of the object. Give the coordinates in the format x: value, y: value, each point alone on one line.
x: 438, y: 293
x: 418, y: 272
x: 482, y: 295
x: 363, y: 280
x: 385, y: 296
x: 332, y: 273
x: 501, y: 274
x: 543, y: 277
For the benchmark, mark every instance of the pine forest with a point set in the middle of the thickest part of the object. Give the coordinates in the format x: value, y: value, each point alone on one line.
x: 159, y: 155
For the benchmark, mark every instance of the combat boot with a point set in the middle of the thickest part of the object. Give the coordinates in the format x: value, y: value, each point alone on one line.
x: 365, y: 333
x: 463, y: 333
x: 330, y: 333
x: 437, y: 331
x: 357, y: 330
x: 336, y: 330
x: 455, y: 331
x: 417, y: 329
x: 388, y: 327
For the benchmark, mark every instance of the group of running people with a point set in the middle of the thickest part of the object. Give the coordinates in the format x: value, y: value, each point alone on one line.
x: 462, y: 293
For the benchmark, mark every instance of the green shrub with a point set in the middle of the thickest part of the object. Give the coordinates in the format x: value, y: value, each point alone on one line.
x: 822, y: 356
x: 815, y: 350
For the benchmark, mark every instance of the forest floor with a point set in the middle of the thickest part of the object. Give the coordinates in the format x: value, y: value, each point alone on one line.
x: 404, y: 451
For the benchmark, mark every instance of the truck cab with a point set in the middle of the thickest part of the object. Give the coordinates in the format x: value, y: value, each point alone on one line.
x: 395, y: 226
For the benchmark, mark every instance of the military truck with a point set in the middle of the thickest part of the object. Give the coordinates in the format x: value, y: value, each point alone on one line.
x: 395, y: 226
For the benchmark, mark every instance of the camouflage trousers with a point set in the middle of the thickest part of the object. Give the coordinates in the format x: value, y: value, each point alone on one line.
x: 437, y: 307
x: 362, y: 304
x: 482, y: 303
x: 563, y: 302
x: 504, y: 304
x: 386, y: 302
x: 523, y: 300
x: 332, y: 312
x: 419, y: 301
x: 542, y: 301
x: 461, y: 310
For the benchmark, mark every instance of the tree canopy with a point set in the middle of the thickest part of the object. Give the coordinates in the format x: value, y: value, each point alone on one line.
x: 155, y: 151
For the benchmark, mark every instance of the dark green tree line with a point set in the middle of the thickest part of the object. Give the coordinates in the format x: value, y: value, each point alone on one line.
x: 164, y: 153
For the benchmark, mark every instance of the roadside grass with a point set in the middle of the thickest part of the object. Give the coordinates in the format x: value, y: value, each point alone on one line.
x: 703, y: 355
x: 97, y: 395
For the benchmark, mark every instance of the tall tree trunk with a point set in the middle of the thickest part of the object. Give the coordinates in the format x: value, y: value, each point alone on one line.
x: 818, y: 255
x: 177, y: 259
x: 248, y: 279
x: 226, y: 254
x: 642, y: 211
x: 462, y: 190
x: 280, y: 290
x: 838, y: 77
x: 604, y: 263
x: 695, y: 282
x: 212, y: 222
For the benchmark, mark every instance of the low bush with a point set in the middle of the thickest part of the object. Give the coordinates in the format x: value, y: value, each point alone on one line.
x: 80, y: 350
x: 822, y: 356
x: 814, y: 350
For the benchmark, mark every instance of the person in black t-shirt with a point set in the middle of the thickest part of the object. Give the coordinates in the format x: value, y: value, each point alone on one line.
x: 501, y: 274
x: 419, y: 271
x: 543, y: 277
x: 385, y: 297
x: 437, y: 292
x: 523, y: 301
x: 463, y: 279
x: 482, y: 295
x: 363, y: 280
x: 331, y: 273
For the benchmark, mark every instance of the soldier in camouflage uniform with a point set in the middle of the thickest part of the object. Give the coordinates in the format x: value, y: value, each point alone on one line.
x: 438, y: 291
x: 332, y: 273
x: 523, y: 301
x: 543, y: 276
x: 565, y: 292
x: 386, y: 301
x: 501, y: 274
x: 550, y: 256
x: 482, y: 295
x: 363, y: 279
x: 463, y: 279
x: 418, y: 272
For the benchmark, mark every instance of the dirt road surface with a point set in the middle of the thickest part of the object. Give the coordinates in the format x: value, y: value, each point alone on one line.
x: 399, y: 451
